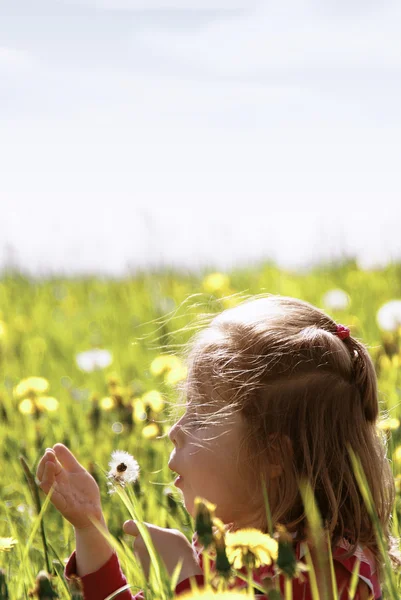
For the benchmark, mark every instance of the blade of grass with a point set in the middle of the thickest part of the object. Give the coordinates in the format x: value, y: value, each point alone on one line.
x: 332, y: 571
x: 367, y: 497
x: 15, y: 535
x: 36, y: 498
x: 159, y: 567
x: 175, y: 575
x: 61, y: 563
x: 354, y: 580
x: 36, y: 525
x: 161, y: 574
x: 288, y: 588
x: 267, y: 506
x: 312, y: 576
x: 317, y: 535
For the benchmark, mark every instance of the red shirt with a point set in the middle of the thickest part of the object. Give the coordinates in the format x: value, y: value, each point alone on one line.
x: 109, y: 578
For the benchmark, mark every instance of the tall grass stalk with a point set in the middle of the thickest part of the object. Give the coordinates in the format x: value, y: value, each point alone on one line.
x: 268, y: 517
x: 312, y: 576
x: 157, y: 566
x: 316, y: 533
x: 354, y: 580
x: 206, y: 568
x: 367, y: 497
x: 35, y: 527
x: 36, y: 499
x: 267, y: 506
x: 334, y: 588
x: 119, y: 591
x: 288, y: 588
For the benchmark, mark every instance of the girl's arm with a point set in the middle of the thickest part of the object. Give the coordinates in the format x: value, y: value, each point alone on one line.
x: 87, y: 540
x: 76, y: 495
x: 101, y: 583
x: 109, y: 578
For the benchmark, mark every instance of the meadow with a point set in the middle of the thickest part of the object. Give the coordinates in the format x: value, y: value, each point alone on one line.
x: 96, y: 364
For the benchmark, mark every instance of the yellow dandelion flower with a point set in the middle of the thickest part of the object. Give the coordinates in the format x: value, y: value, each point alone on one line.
x: 106, y: 403
x: 395, y: 361
x: 153, y: 399
x: 219, y: 526
x: 250, y: 547
x: 385, y: 363
x: 7, y: 543
x: 150, y: 431
x: 176, y: 375
x: 26, y: 407
x: 387, y: 424
x: 202, y: 505
x: 204, y: 520
x: 231, y: 301
x: 397, y: 455
x: 113, y: 381
x: 118, y: 390
x: 31, y: 385
x: 47, y: 403
x: 22, y: 324
x: 139, y: 411
x: 215, y: 282
x: 164, y: 362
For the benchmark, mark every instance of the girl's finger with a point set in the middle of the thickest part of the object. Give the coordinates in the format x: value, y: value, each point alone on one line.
x: 48, y: 456
x: 131, y: 528
x: 49, y: 477
x: 67, y: 459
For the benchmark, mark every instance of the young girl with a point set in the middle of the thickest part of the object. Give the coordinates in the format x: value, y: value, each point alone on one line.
x: 274, y: 388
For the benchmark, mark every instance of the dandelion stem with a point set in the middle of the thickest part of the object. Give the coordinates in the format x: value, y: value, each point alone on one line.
x: 206, y: 568
x: 288, y: 588
x: 251, y: 591
x: 36, y: 499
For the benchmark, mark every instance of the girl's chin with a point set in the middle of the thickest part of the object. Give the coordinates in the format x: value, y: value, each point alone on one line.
x: 189, y: 504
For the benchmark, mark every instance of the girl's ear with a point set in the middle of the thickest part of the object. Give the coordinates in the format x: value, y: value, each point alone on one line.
x: 280, y: 450
x: 275, y: 471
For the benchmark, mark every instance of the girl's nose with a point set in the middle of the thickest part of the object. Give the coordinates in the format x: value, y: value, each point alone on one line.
x: 175, y: 434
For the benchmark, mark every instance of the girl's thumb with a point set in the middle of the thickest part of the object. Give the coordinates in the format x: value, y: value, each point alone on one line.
x: 131, y: 528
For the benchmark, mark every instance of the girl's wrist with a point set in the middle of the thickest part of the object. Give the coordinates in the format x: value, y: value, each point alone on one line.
x: 100, y: 520
x: 87, y: 540
x: 189, y: 571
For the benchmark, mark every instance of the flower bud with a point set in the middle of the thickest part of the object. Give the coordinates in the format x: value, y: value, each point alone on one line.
x: 204, y: 521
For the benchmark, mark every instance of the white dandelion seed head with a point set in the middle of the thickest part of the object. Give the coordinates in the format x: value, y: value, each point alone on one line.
x: 370, y: 261
x: 389, y: 315
x: 123, y: 469
x: 90, y: 360
x: 336, y: 299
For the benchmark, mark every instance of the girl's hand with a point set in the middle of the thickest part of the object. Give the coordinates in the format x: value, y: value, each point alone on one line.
x: 171, y: 545
x: 76, y: 494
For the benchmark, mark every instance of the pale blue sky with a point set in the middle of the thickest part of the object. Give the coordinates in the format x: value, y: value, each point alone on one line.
x: 188, y: 135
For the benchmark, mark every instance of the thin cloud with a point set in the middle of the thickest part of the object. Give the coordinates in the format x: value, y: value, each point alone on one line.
x: 290, y: 38
x: 213, y: 128
x: 12, y: 59
x: 157, y: 5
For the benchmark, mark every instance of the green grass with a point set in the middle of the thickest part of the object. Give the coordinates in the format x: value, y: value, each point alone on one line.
x: 44, y: 324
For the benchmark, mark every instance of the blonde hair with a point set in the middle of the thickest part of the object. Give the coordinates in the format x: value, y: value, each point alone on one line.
x: 304, y: 394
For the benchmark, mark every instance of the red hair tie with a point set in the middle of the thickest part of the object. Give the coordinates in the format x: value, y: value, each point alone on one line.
x: 342, y: 332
